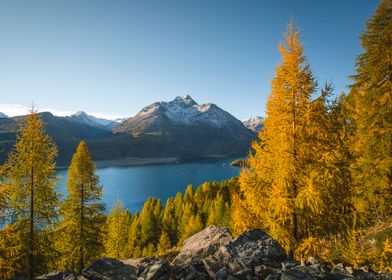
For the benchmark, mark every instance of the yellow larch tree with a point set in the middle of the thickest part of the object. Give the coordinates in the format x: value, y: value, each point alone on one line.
x: 31, y: 197
x: 81, y: 229
x: 118, y: 223
x: 286, y: 189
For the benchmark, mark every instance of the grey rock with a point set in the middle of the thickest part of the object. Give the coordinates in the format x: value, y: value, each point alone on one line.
x: 110, y: 269
x: 202, y: 245
x: 304, y: 273
x: 157, y: 270
x: 191, y: 272
x: 287, y: 264
x: 57, y: 275
x: 250, y: 249
x: 212, y: 266
x: 273, y: 276
x: 140, y: 263
x: 338, y: 272
x: 262, y: 271
x: 223, y: 274
x: 385, y: 275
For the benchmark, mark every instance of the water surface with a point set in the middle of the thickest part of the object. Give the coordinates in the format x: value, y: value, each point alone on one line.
x: 134, y: 184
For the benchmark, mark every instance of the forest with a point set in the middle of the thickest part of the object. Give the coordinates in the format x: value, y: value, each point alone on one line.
x: 318, y: 179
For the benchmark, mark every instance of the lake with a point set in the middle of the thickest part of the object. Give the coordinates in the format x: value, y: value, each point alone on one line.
x: 134, y: 184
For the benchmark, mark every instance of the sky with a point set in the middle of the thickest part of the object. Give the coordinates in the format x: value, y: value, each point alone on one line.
x: 111, y: 58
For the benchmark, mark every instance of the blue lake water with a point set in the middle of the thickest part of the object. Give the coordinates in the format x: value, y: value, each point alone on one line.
x: 134, y: 184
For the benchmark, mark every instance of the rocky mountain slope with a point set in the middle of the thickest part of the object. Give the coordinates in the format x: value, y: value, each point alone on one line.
x: 84, y: 118
x: 214, y: 254
x: 180, y: 128
x: 186, y: 128
x: 2, y: 115
x: 255, y: 124
x: 65, y: 133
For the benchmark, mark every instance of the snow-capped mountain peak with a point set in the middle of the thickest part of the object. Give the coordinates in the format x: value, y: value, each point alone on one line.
x: 254, y: 123
x: 184, y: 114
x: 186, y: 99
x: 185, y: 110
x: 84, y: 118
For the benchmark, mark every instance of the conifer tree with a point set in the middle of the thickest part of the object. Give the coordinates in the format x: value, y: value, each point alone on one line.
x: 164, y: 244
x: 31, y: 195
x: 133, y: 248
x: 276, y: 174
x: 118, y: 223
x: 169, y: 221
x: 149, y: 222
x: 82, y: 214
x: 371, y: 115
x: 193, y: 226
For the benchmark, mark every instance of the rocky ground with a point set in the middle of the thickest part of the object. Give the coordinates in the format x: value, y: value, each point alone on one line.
x: 214, y: 254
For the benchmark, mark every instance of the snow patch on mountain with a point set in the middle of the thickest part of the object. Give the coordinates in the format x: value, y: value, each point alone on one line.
x: 184, y: 110
x: 83, y: 117
x: 255, y: 123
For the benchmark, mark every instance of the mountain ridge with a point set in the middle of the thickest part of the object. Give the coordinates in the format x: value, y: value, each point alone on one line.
x: 179, y: 128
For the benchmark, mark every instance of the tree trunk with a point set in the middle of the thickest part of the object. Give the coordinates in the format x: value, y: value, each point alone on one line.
x: 294, y: 182
x: 81, y: 260
x: 31, y: 247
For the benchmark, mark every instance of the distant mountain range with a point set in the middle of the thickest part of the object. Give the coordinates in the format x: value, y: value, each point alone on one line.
x: 82, y: 117
x: 179, y: 128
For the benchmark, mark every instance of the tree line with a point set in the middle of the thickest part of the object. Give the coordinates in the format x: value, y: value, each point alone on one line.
x: 318, y: 179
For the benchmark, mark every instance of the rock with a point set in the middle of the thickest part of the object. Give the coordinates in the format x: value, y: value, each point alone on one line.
x: 312, y: 260
x: 201, y: 245
x: 110, y: 269
x: 338, y: 272
x: 222, y: 274
x: 192, y: 272
x: 304, y: 273
x: 262, y: 271
x: 385, y: 275
x: 250, y: 249
x: 155, y: 270
x: 57, y: 275
x: 273, y: 276
x: 211, y: 265
x: 287, y: 264
x: 140, y: 263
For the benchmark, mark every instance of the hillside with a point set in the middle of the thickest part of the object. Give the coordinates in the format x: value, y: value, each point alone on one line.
x: 180, y: 128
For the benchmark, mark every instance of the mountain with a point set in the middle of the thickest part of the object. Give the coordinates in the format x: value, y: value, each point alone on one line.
x: 84, y: 118
x: 180, y: 128
x: 65, y: 133
x: 184, y: 128
x: 255, y: 123
x: 3, y: 115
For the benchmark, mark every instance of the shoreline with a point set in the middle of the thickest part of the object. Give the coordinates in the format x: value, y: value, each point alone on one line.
x: 130, y: 162
x: 146, y: 161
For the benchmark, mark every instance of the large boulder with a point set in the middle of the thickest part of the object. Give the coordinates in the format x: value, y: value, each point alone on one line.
x: 249, y: 250
x: 110, y: 269
x: 201, y: 245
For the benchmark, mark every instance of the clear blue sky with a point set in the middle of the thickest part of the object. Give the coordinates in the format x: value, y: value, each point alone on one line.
x: 115, y: 57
